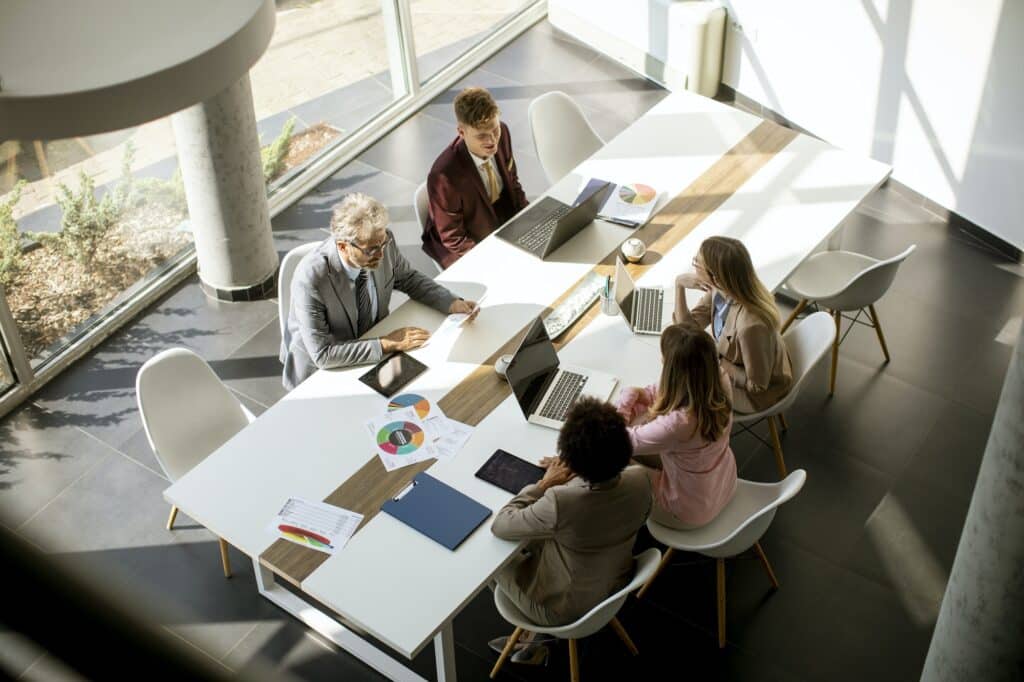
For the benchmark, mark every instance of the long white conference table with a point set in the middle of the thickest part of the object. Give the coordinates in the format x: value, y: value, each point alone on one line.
x: 720, y: 171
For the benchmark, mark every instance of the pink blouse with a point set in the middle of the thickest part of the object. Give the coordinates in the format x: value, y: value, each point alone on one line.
x: 698, y: 477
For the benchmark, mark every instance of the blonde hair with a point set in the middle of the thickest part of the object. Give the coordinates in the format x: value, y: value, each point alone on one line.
x: 474, y: 107
x: 728, y: 262
x: 358, y: 215
x: 691, y: 379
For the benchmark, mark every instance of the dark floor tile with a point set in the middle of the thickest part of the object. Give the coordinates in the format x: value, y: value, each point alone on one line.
x: 137, y: 447
x: 536, y: 57
x: 431, y: 62
x: 285, y: 241
x: 873, y: 637
x: 908, y: 546
x: 950, y: 457
x: 410, y: 149
x: 866, y: 418
x: 40, y: 456
x: 254, y: 369
x: 512, y: 97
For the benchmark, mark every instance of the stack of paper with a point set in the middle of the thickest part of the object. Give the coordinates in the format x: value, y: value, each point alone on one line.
x: 413, y: 430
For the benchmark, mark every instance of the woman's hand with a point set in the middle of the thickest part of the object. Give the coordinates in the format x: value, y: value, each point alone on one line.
x: 691, y: 280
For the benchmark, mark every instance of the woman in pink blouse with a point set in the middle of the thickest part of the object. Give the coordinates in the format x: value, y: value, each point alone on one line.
x: 680, y: 430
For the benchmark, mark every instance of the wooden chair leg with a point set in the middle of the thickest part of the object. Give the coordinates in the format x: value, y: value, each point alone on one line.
x: 801, y: 304
x: 661, y: 565
x: 720, y: 571
x: 574, y: 662
x: 878, y: 330
x: 224, y: 560
x: 782, y: 421
x: 509, y: 646
x: 170, y: 519
x: 835, y: 352
x: 767, y: 566
x: 777, y: 447
x: 624, y: 636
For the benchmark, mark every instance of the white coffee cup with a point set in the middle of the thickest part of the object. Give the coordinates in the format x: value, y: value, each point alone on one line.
x: 502, y: 363
x: 633, y: 250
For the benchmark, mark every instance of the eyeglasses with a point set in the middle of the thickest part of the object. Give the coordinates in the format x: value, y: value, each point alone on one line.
x: 371, y: 251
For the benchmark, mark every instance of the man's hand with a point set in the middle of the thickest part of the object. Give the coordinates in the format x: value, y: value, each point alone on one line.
x: 557, y: 474
x: 471, y: 308
x: 405, y: 338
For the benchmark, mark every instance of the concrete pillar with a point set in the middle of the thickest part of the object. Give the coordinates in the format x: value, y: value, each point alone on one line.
x: 218, y: 149
x: 980, y: 631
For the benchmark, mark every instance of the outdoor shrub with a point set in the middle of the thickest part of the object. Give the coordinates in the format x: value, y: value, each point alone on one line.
x: 10, y: 238
x: 85, y: 220
x: 273, y: 154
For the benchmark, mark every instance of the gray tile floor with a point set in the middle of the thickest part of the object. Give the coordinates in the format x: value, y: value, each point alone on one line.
x: 863, y: 552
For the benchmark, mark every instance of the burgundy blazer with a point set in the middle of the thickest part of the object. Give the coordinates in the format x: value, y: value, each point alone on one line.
x: 460, y: 211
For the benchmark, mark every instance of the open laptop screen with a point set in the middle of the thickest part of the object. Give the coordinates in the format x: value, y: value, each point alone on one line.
x: 532, y: 367
x: 624, y: 292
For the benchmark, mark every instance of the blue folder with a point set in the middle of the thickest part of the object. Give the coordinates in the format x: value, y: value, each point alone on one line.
x: 437, y: 510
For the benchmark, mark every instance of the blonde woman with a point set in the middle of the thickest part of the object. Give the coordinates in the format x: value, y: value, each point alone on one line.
x: 680, y: 429
x: 744, y: 322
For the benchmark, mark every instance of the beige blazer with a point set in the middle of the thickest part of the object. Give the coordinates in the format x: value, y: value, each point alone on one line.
x: 583, y: 535
x: 758, y: 361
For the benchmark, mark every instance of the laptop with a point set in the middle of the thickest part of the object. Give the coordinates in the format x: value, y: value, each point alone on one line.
x: 546, y: 390
x: 641, y: 307
x: 549, y: 223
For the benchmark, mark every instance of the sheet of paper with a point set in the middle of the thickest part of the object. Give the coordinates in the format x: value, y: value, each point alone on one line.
x: 399, y: 438
x: 452, y: 435
x: 449, y: 330
x: 317, y: 525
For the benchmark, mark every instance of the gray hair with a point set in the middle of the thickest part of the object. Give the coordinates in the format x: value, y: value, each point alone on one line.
x: 356, y: 216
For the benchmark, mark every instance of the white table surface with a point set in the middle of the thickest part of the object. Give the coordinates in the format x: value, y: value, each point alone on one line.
x: 399, y: 585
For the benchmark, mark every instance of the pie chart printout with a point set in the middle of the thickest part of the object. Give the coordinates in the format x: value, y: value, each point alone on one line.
x: 637, y: 194
x: 400, y: 438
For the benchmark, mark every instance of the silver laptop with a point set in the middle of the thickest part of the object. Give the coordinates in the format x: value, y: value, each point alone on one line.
x: 642, y: 307
x: 546, y: 225
x: 546, y: 390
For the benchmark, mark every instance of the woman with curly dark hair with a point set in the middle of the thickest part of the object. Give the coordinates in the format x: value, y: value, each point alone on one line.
x: 582, y: 518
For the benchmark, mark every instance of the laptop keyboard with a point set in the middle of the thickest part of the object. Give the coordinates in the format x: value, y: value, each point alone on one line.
x: 567, y: 389
x: 647, y: 309
x: 538, y: 236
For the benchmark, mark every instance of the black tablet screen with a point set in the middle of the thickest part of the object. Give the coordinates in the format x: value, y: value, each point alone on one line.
x: 508, y: 472
x: 393, y: 373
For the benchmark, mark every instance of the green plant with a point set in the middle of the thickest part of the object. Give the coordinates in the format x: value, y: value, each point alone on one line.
x: 84, y: 220
x: 273, y: 154
x: 10, y: 238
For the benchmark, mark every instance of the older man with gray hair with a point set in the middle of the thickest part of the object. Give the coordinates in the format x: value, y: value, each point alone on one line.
x: 343, y: 287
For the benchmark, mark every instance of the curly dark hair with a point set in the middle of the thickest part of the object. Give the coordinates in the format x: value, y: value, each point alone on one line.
x: 594, y: 442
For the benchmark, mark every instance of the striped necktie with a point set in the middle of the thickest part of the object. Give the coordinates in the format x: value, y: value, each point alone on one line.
x: 363, y: 304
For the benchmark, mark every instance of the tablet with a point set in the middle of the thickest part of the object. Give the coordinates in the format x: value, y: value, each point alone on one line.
x: 509, y: 472
x: 393, y: 373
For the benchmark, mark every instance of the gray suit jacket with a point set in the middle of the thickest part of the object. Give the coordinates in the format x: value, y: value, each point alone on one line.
x: 583, y: 540
x: 322, y: 319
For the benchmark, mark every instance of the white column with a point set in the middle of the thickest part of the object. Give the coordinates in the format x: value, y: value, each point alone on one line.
x: 218, y: 149
x: 980, y: 631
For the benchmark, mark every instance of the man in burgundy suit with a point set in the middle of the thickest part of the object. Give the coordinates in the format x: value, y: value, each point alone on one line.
x: 473, y: 186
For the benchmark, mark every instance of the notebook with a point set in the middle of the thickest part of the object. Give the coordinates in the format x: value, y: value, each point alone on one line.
x: 437, y: 510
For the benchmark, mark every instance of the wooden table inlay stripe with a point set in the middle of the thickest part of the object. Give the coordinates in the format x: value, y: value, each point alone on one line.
x: 472, y: 399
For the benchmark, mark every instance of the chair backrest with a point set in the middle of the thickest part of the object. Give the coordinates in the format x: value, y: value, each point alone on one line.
x: 740, y: 524
x: 562, y: 135
x: 807, y: 342
x: 870, y: 284
x: 284, y: 288
x: 186, y: 411
x: 420, y: 205
x: 601, y: 615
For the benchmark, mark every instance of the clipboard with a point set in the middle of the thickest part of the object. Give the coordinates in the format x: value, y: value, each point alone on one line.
x: 437, y: 510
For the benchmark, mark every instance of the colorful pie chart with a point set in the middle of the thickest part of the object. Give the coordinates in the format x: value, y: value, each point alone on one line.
x: 637, y: 194
x: 400, y: 438
x: 421, y: 404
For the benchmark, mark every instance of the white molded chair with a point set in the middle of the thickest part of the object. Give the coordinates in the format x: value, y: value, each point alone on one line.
x: 421, y: 205
x: 284, y: 289
x: 736, y: 529
x: 187, y: 413
x: 807, y: 344
x: 562, y: 135
x: 603, y: 614
x: 841, y: 281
